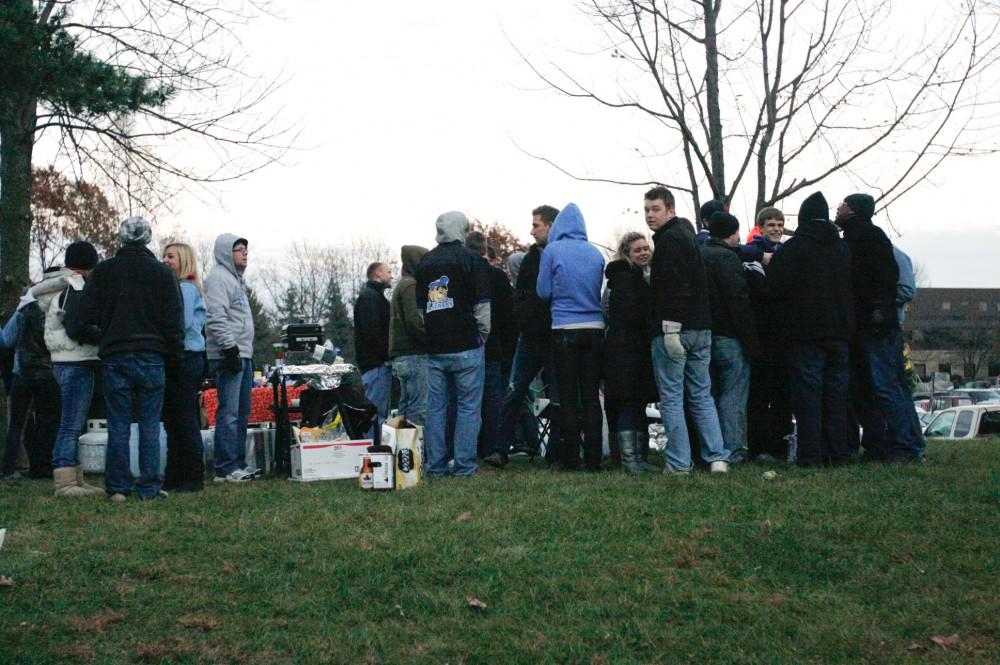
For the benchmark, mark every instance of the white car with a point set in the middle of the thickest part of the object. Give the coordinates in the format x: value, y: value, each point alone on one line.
x: 965, y: 422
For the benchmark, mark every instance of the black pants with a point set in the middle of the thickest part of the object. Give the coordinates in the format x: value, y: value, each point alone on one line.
x: 577, y: 355
x: 819, y: 399
x: 35, y: 410
x: 182, y: 421
x: 769, y: 409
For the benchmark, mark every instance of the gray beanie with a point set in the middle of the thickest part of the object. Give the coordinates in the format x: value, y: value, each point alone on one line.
x: 135, y: 231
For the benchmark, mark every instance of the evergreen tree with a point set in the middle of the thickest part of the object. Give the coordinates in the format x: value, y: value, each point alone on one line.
x: 337, y: 325
x: 265, y: 332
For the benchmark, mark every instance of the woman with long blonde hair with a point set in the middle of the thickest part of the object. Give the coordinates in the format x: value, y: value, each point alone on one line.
x: 181, y: 417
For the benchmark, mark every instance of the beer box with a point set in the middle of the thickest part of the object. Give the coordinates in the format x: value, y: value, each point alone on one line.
x: 406, y: 439
x: 328, y: 460
x: 383, y: 475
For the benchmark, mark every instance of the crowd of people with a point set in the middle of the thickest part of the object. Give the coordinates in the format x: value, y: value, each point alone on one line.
x: 730, y: 339
x: 147, y: 324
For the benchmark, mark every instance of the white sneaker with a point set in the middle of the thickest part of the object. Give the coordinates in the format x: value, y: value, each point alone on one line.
x: 720, y: 467
x: 236, y: 476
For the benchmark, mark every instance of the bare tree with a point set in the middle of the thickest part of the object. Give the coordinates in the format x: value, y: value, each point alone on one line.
x: 787, y: 93
x: 120, y: 86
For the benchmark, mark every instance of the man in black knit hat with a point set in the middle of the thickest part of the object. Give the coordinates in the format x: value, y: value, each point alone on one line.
x: 880, y: 400
x: 811, y: 279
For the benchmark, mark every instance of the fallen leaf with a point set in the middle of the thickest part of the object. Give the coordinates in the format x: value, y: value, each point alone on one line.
x: 226, y: 568
x: 945, y: 642
x: 202, y: 622
x: 475, y: 604
x: 6, y: 581
x: 398, y: 607
x: 916, y: 646
x: 464, y: 517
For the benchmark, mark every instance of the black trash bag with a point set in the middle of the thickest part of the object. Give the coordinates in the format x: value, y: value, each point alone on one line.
x: 357, y: 413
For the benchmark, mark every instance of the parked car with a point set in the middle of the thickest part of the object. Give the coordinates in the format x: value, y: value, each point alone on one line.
x: 965, y: 422
x: 941, y: 401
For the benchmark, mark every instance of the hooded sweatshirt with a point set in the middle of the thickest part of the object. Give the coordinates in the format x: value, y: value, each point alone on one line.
x: 406, y: 322
x: 453, y: 290
x: 810, y: 282
x: 228, y: 321
x: 67, y: 340
x: 571, y: 273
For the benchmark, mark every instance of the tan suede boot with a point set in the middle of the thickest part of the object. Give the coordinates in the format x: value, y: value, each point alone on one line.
x: 91, y: 489
x: 65, y: 481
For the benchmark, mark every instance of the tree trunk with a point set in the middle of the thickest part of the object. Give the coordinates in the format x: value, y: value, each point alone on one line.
x: 17, y: 133
x: 715, y: 142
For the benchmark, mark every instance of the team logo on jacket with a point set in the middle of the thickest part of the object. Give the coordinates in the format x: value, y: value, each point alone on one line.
x: 437, y: 295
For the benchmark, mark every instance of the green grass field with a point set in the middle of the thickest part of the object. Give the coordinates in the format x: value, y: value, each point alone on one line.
x: 856, y: 565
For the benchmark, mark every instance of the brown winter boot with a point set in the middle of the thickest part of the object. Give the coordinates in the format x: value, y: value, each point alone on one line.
x: 65, y: 481
x: 92, y: 489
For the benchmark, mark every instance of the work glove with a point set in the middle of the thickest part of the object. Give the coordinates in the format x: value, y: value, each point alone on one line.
x: 231, y: 360
x: 672, y: 340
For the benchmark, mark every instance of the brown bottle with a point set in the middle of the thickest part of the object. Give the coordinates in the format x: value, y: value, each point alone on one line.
x: 366, y: 480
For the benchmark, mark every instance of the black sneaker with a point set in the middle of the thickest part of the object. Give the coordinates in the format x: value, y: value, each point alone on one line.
x: 496, y: 460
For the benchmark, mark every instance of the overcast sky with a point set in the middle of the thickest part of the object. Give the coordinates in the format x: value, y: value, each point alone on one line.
x: 410, y: 109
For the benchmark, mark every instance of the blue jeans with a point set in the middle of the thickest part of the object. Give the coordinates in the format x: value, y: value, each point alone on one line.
x: 378, y: 390
x: 530, y: 357
x: 460, y: 374
x: 819, y: 380
x: 730, y: 388
x: 76, y: 388
x: 411, y: 372
x: 882, y: 402
x: 133, y: 385
x: 688, y: 375
x: 231, y: 416
x: 492, y: 398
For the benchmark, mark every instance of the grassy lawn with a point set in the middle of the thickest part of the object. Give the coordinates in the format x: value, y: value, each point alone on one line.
x: 856, y: 565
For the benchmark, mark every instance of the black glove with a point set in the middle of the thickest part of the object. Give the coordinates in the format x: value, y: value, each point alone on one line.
x: 231, y: 360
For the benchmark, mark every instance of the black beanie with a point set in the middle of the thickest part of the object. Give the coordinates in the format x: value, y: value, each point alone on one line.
x: 723, y: 225
x: 81, y: 255
x: 861, y: 205
x: 709, y: 208
x: 814, y: 207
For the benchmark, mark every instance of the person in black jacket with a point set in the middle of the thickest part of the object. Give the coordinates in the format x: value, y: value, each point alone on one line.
x: 881, y: 401
x: 682, y: 336
x: 136, y: 302
x: 734, y: 330
x: 453, y: 289
x: 628, y: 368
x: 533, y: 353
x: 371, y: 339
x: 769, y: 409
x: 501, y: 321
x: 810, y: 280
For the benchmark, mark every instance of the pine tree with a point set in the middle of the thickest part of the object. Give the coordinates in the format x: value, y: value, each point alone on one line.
x: 265, y: 333
x: 337, y: 325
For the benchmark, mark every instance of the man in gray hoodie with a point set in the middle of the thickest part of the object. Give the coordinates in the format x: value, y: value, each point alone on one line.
x: 229, y: 342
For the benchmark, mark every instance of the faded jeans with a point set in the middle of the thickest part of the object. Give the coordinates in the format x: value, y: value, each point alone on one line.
x: 730, y: 388
x: 378, y: 390
x: 231, y: 416
x: 688, y: 375
x: 460, y: 374
x: 411, y: 372
x: 76, y: 388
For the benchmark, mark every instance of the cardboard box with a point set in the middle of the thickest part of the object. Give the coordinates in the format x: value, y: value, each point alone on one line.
x: 407, y: 440
x: 328, y: 460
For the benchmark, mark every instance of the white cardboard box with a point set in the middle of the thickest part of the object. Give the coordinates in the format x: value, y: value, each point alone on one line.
x: 328, y: 460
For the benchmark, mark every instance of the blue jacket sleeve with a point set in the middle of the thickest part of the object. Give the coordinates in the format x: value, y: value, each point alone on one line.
x: 10, y: 331
x: 906, y: 285
x: 544, y: 285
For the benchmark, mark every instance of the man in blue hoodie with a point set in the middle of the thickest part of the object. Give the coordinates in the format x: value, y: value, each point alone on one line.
x: 570, y: 278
